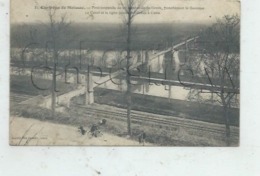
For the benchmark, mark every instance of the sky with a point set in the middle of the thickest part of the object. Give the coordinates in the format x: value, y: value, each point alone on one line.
x: 87, y: 11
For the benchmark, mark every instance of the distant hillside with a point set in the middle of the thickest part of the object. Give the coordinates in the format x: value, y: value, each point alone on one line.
x: 107, y: 36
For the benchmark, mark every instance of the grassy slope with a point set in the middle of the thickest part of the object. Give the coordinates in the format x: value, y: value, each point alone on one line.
x: 157, y: 136
x: 184, y: 109
x: 23, y: 84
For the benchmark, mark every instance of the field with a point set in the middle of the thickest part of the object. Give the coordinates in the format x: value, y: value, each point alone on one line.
x: 23, y: 84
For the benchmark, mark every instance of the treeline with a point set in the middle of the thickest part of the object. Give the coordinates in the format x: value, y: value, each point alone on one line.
x: 222, y: 36
x: 106, y: 36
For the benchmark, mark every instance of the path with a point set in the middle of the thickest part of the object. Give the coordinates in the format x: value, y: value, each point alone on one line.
x: 46, y: 133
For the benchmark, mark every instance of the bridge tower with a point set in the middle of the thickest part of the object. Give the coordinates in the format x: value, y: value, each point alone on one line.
x: 147, y: 69
x: 168, y: 71
x: 168, y: 65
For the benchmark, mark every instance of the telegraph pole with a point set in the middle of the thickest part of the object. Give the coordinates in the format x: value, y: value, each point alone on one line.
x: 128, y: 57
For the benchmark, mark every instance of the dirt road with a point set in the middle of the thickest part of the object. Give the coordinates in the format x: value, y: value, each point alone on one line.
x: 25, y: 131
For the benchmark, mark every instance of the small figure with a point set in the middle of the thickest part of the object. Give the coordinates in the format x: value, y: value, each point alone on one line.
x: 102, y: 122
x: 82, y: 130
x: 142, y: 137
x: 93, y: 130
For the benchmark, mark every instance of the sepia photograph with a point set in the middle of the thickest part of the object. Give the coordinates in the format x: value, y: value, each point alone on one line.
x: 141, y: 73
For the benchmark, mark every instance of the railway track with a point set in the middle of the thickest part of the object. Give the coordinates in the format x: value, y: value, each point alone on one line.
x: 158, y: 120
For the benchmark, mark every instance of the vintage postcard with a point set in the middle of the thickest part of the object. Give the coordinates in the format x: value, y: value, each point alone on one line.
x: 124, y: 73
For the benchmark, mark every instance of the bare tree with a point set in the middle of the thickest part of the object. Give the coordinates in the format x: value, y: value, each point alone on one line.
x: 132, y: 8
x: 57, y: 32
x: 219, y: 64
